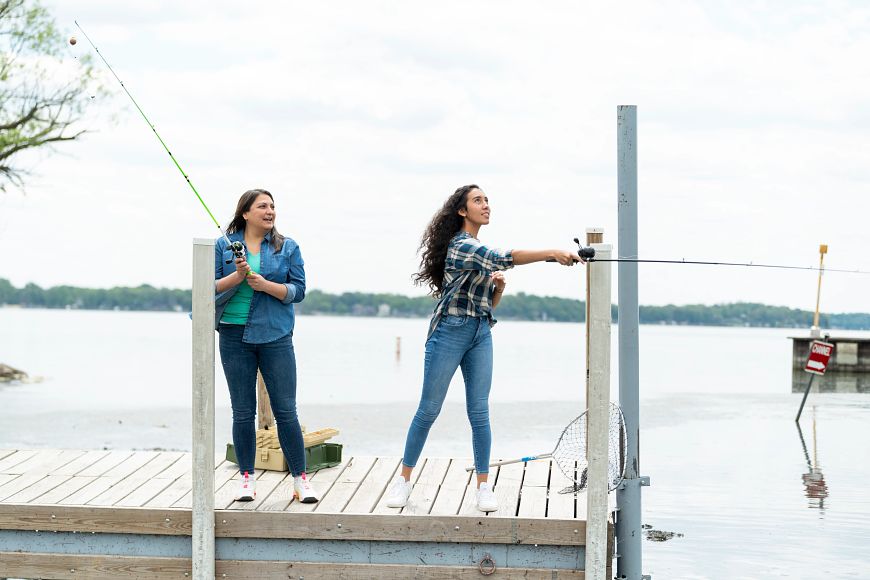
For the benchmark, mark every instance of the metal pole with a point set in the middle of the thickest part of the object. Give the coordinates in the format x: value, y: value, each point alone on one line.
x: 203, y: 410
x: 597, y: 414
x: 804, y: 400
x: 628, y: 496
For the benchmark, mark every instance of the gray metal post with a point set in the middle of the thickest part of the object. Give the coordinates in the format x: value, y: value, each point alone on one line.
x: 628, y: 496
x: 203, y: 410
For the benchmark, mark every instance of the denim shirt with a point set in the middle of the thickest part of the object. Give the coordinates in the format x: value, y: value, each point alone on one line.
x: 269, y: 318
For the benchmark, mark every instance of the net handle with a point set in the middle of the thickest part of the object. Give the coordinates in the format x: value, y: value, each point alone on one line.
x: 520, y: 460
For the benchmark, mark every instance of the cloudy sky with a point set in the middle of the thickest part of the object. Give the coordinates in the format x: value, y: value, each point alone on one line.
x: 361, y: 117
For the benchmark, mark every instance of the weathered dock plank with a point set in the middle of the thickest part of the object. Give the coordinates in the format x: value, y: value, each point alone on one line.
x: 151, y: 467
x: 560, y: 505
x: 426, y: 489
x: 66, y: 566
x: 64, y: 490
x: 533, y: 494
x: 374, y: 486
x: 222, y: 473
x: 86, y: 460
x: 453, y: 488
x: 41, y: 465
x: 346, y: 485
x: 13, y: 459
x: 34, y: 490
x: 110, y: 461
x: 507, y: 489
x: 322, y: 481
x: 381, y: 507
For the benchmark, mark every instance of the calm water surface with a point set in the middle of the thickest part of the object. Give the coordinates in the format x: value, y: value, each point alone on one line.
x: 753, y: 496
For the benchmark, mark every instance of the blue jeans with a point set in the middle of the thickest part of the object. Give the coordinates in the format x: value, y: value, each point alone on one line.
x: 458, y: 341
x: 277, y: 361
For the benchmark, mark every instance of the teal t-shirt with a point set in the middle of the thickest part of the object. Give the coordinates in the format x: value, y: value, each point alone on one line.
x: 239, y: 305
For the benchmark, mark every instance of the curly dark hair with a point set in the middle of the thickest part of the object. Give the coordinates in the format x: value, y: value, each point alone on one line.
x: 238, y: 222
x: 444, y: 225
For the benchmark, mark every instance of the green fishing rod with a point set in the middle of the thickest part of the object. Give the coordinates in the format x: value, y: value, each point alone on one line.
x: 238, y: 248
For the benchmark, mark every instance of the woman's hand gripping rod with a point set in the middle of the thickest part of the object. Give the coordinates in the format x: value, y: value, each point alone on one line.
x: 238, y: 249
x: 585, y: 253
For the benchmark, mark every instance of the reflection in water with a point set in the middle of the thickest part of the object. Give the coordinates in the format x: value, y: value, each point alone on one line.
x: 816, y: 489
x: 831, y: 382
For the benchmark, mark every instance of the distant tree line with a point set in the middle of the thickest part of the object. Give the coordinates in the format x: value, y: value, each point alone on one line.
x: 518, y: 306
x: 142, y: 297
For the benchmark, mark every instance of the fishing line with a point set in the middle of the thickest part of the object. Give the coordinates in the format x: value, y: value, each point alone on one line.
x: 588, y: 254
x: 746, y: 264
x: 150, y: 124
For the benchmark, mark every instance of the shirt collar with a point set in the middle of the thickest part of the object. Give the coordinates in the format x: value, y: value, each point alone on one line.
x: 240, y: 235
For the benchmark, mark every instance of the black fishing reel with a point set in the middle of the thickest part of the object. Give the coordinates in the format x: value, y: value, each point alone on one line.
x: 238, y: 249
x: 585, y: 252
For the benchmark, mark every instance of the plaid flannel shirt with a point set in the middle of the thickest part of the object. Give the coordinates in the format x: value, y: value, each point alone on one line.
x: 468, y: 288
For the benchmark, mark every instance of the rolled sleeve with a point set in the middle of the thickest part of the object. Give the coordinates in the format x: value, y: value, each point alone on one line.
x: 291, y: 293
x: 295, y: 279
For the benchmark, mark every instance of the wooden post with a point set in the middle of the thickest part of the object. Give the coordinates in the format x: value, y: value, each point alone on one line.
x: 265, y: 418
x: 593, y: 236
x: 203, y: 409
x: 597, y: 413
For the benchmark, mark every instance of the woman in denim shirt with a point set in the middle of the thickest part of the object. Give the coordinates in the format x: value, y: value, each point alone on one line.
x: 466, y: 276
x: 254, y: 316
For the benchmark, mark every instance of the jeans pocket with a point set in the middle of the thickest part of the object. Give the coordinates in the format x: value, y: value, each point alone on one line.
x: 453, y: 321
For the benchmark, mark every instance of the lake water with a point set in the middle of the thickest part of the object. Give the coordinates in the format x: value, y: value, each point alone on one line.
x: 752, y: 496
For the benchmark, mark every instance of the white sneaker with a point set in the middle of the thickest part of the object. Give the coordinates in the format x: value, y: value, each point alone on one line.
x: 302, y: 490
x: 246, y: 488
x: 486, y: 501
x: 399, y: 492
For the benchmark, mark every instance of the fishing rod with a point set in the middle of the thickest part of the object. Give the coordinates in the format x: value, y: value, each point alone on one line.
x: 238, y: 248
x: 587, y: 254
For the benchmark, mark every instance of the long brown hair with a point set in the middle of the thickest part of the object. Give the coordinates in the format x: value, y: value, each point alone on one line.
x: 238, y: 222
x: 436, y: 239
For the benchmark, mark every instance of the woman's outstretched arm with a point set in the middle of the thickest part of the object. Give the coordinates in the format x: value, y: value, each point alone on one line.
x: 529, y: 256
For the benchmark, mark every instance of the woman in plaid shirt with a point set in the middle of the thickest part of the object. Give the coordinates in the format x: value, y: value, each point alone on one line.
x: 466, y: 276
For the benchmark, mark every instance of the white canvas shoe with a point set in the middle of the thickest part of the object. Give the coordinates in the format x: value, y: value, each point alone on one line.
x: 399, y: 492
x: 246, y: 488
x: 303, y: 491
x: 486, y: 501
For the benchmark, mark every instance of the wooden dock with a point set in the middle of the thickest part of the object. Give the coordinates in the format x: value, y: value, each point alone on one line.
x: 848, y: 370
x: 127, y: 514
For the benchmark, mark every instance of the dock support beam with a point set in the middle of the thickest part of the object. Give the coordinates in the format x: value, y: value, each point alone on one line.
x: 628, y: 495
x: 203, y: 410
x: 598, y: 413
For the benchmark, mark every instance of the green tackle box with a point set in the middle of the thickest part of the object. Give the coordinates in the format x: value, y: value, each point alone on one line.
x: 316, y: 457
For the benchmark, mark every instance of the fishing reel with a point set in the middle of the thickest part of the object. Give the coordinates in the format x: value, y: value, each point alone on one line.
x: 238, y: 249
x: 586, y: 253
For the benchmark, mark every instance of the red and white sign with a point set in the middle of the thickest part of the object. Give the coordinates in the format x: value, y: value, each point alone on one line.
x: 820, y: 354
